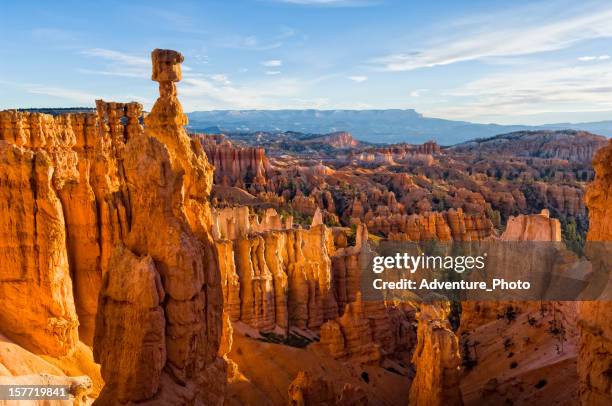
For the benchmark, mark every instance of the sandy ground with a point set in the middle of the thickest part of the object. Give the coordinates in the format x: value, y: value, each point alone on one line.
x: 522, y: 364
x: 267, y: 369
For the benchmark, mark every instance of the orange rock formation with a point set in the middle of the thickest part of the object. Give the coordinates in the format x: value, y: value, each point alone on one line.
x: 595, y: 353
x: 436, y: 359
x: 158, y: 328
x: 307, y: 390
x: 243, y: 167
x: 532, y: 228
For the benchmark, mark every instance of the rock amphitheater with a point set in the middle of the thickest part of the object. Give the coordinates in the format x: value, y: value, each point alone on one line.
x: 120, y: 280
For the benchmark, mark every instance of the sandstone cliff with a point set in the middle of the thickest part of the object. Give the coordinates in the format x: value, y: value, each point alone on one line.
x: 63, y: 209
x: 165, y: 283
x: 436, y: 359
x: 452, y: 225
x: 33, y: 258
x: 282, y: 280
x: 595, y: 352
x: 275, y: 276
x: 243, y: 167
x: 532, y: 228
x: 94, y: 205
x: 84, y: 187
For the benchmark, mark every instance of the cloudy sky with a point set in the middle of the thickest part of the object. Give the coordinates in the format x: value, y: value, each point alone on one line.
x: 485, y: 61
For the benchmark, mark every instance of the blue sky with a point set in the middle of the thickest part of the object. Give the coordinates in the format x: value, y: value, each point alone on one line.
x: 486, y: 61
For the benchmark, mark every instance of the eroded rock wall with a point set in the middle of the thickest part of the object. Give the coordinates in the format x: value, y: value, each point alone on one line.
x: 160, y: 342
x: 35, y: 285
x: 452, y: 225
x: 85, y: 170
x: 94, y: 205
x: 234, y: 165
x: 595, y: 351
x: 276, y: 278
x: 436, y: 359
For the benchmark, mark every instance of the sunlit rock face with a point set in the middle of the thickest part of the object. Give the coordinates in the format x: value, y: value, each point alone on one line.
x: 65, y: 206
x: 436, y: 359
x: 283, y: 280
x: 77, y: 156
x: 452, y: 225
x: 159, y: 342
x: 243, y: 167
x: 35, y: 286
x: 595, y: 352
x: 532, y: 228
x: 274, y: 275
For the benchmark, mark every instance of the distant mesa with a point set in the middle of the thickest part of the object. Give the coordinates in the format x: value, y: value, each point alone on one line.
x: 378, y: 126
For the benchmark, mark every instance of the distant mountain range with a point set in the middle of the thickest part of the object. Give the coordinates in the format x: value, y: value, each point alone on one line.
x: 377, y: 126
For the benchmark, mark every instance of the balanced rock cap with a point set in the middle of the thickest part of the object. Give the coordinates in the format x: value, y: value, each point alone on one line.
x: 166, y: 65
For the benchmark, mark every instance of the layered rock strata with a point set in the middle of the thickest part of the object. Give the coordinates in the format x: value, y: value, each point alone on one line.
x: 452, y: 225
x: 595, y: 351
x: 79, y: 155
x: 277, y: 277
x: 158, y: 326
x: 436, y: 358
x: 243, y: 167
x: 35, y: 285
x: 306, y: 281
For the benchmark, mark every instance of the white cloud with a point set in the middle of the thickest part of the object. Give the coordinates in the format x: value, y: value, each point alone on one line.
x: 254, y: 43
x: 221, y: 78
x: 358, y: 79
x: 116, y: 56
x: 120, y: 63
x: 202, y: 94
x: 273, y: 72
x: 531, y: 91
x: 272, y: 63
x: 520, y: 34
x: 418, y: 92
x: 250, y: 42
x: 70, y: 95
x: 73, y: 95
x: 594, y: 58
x: 199, y: 59
x: 117, y: 72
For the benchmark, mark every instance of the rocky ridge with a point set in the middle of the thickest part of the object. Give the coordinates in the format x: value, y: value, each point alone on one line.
x: 595, y: 351
x: 91, y: 225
